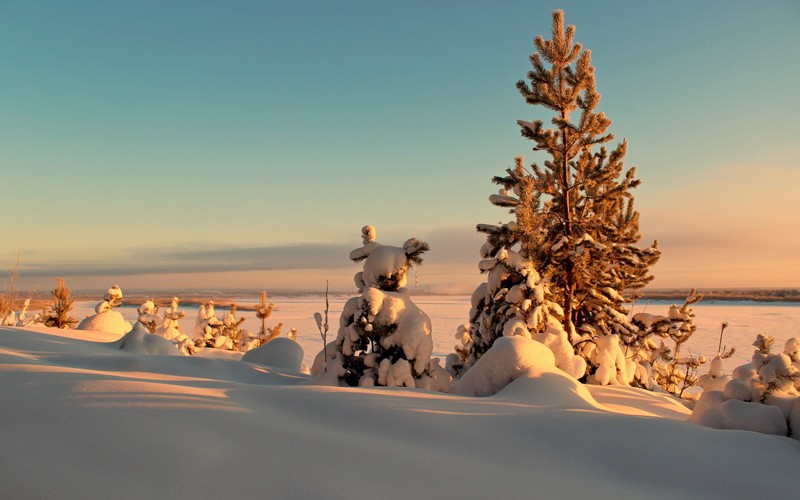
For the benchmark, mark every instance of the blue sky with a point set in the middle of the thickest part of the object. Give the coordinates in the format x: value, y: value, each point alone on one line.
x: 246, y: 143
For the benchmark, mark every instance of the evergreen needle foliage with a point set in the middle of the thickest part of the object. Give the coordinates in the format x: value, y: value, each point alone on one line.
x: 263, y: 311
x: 574, y: 220
x: 58, y: 314
x: 581, y: 200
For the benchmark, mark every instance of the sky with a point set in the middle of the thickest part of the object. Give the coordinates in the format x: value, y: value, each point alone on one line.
x: 243, y: 144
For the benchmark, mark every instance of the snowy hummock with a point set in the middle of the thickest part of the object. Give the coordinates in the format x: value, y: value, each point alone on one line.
x: 282, y: 353
x: 509, y: 359
x: 140, y: 341
x: 82, y: 419
x: 109, y: 321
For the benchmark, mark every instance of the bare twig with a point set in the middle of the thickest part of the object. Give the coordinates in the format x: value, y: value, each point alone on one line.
x: 323, y: 327
x: 722, y: 328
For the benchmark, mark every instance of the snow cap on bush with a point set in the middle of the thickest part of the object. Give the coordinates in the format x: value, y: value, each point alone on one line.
x: 386, y: 266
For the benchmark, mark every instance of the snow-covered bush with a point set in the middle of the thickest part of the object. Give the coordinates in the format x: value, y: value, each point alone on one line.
x: 148, y: 315
x: 383, y: 337
x: 231, y: 328
x: 207, y: 328
x: 658, y: 363
x: 22, y: 317
x: 226, y: 334
x: 716, y: 378
x: 24, y: 320
x: 113, y: 296
x: 105, y: 318
x: 10, y: 319
x: 762, y: 396
x: 170, y: 328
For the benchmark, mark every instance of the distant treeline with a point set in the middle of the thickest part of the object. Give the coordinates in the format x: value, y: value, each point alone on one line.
x: 757, y: 294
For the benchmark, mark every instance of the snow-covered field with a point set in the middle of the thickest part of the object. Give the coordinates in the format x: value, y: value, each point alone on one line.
x: 745, y: 320
x: 82, y: 419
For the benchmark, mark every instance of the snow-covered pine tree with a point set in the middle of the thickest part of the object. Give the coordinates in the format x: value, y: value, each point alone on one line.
x: 114, y: 296
x: 148, y: 315
x: 590, y: 229
x: 514, y: 300
x: 170, y: 327
x: 575, y: 221
x: 208, y: 328
x: 231, y: 328
x: 266, y: 333
x: 383, y: 337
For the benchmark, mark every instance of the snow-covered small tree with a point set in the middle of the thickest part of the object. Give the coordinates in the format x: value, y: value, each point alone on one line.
x: 383, y: 337
x: 9, y: 319
x: 112, y: 299
x: 263, y: 311
x: 58, y: 313
x: 265, y: 333
x: 167, y: 326
x: 232, y: 329
x: 114, y: 296
x: 22, y: 318
x: 173, y: 315
x: 148, y: 315
x: 207, y: 327
x: 658, y: 362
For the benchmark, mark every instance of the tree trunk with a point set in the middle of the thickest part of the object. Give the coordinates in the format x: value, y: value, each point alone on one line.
x: 569, y: 285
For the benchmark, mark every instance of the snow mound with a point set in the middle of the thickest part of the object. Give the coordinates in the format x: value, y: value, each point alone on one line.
x: 551, y: 390
x: 508, y: 359
x: 140, y: 341
x: 716, y: 411
x: 109, y: 321
x: 762, y: 396
x: 282, y: 353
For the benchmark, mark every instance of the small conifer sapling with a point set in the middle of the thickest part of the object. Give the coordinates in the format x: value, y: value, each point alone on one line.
x: 58, y: 313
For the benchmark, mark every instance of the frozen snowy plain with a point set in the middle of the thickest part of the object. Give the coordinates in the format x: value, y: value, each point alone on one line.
x: 82, y: 419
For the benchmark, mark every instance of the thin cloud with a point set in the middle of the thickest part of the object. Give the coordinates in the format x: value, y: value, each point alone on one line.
x: 200, y: 260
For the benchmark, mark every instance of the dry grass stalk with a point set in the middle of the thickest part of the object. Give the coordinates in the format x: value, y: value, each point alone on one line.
x: 8, y: 298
